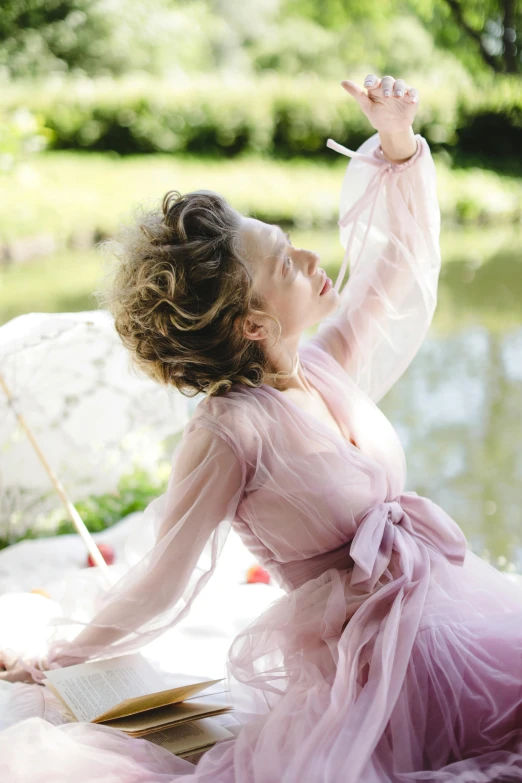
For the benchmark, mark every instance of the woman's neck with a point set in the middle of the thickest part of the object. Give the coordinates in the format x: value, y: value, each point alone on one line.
x: 296, y: 379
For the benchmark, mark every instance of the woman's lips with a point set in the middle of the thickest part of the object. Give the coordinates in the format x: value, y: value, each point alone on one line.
x: 326, y: 287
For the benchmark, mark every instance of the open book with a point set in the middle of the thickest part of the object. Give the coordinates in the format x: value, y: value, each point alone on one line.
x: 127, y: 693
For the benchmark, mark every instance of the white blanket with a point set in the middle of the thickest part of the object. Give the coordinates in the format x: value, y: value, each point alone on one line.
x: 197, y: 645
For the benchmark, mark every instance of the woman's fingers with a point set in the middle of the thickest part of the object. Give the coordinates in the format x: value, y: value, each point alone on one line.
x: 387, y: 83
x: 399, y: 88
x: 18, y: 674
x: 358, y: 93
x: 353, y: 89
x: 413, y: 94
x: 372, y: 82
x: 374, y: 99
x: 389, y: 87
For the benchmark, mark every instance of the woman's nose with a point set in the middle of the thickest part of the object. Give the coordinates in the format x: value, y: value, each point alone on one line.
x: 313, y: 264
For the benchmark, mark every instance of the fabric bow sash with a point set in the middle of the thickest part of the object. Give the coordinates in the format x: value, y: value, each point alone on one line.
x: 394, y: 525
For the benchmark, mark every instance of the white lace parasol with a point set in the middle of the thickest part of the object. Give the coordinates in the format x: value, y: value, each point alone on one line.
x: 92, y: 415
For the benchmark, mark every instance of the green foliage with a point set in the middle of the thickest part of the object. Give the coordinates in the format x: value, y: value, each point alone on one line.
x: 272, y: 115
x: 206, y: 115
x: 493, y: 112
x: 336, y: 13
x: 135, y: 491
x: 330, y: 38
x: 42, y: 36
x: 483, y: 34
x: 299, y: 46
x: 22, y: 133
x: 93, y: 37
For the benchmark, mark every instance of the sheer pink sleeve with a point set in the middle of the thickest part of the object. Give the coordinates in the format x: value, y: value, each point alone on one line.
x: 389, y: 227
x: 191, y: 522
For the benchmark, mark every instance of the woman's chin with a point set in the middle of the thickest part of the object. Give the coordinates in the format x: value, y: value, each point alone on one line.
x: 331, y: 298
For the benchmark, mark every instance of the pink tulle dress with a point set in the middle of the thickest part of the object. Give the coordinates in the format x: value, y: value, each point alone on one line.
x: 395, y: 653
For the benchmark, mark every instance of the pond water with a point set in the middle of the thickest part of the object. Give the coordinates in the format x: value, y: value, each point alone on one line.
x: 458, y: 407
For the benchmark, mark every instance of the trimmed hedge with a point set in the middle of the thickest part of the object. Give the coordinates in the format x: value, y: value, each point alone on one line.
x: 271, y: 115
x: 490, y: 124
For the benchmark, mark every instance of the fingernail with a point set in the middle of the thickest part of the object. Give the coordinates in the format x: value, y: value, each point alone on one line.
x: 399, y: 93
x: 415, y: 99
x: 368, y: 83
x: 387, y: 92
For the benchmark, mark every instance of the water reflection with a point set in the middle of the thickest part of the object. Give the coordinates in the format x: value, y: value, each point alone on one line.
x: 457, y: 408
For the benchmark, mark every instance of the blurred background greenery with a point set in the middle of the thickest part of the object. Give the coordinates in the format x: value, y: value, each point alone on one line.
x: 106, y: 104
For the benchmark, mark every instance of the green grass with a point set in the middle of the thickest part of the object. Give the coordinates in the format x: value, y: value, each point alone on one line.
x: 67, y: 193
x: 63, y: 192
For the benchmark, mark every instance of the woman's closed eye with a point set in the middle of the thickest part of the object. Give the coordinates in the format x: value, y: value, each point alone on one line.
x: 287, y: 266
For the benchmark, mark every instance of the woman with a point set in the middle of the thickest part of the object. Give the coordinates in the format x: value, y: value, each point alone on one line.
x: 395, y: 653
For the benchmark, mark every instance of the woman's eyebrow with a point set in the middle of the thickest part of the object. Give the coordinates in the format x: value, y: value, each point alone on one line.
x: 279, y: 253
x: 286, y: 234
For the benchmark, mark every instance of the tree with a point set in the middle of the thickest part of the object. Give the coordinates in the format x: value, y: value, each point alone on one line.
x: 103, y: 37
x: 482, y: 33
x: 43, y: 35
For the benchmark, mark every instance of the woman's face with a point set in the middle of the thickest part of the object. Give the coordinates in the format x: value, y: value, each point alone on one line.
x: 289, y: 278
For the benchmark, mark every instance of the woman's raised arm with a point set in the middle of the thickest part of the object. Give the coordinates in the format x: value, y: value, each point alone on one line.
x: 390, y: 227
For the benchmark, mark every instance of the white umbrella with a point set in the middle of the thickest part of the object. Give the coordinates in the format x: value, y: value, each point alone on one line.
x: 74, y: 417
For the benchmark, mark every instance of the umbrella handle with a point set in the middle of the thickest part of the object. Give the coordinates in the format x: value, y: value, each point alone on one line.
x: 72, y: 512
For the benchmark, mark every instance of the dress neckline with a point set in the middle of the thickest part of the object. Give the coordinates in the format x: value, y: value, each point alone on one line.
x: 289, y: 401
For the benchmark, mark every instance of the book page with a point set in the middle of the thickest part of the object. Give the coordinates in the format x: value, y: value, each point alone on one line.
x: 89, y: 689
x: 194, y: 756
x: 65, y: 714
x: 118, y: 686
x: 151, y: 701
x: 163, y: 716
x: 190, y: 736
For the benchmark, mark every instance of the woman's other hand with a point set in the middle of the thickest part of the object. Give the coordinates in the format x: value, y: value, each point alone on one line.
x: 15, y: 673
x: 33, y: 669
x: 389, y: 104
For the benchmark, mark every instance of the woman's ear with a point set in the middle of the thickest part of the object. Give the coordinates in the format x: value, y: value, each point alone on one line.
x: 255, y: 329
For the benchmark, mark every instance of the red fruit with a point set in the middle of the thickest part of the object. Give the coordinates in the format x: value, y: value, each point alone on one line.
x: 257, y: 574
x: 106, y: 551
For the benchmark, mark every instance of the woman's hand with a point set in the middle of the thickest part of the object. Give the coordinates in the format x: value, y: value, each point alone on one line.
x: 13, y: 671
x: 388, y: 113
x: 16, y: 674
x: 57, y: 657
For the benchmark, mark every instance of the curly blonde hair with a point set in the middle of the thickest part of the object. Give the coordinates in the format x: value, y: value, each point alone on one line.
x: 181, y: 293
